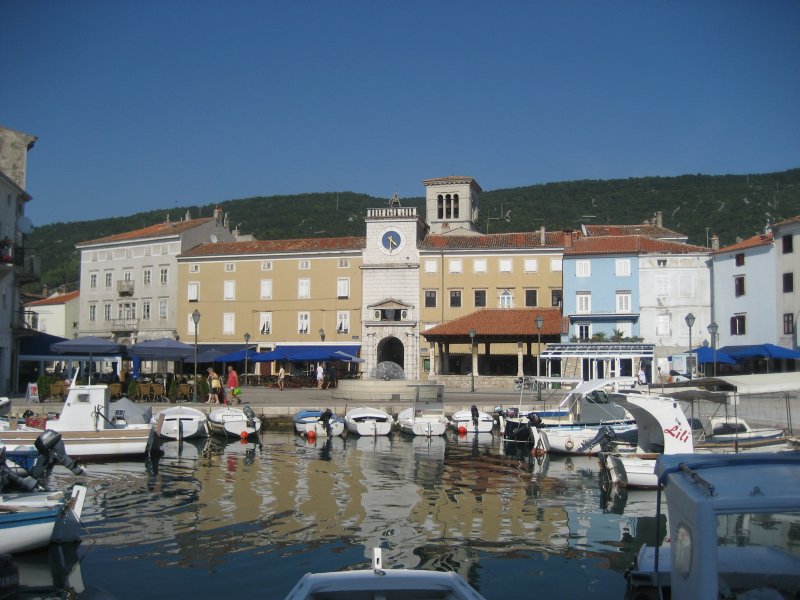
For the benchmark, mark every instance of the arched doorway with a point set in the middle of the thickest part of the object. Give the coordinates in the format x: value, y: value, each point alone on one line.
x: 390, y: 348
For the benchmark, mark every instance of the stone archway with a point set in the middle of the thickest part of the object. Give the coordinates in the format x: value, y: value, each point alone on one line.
x: 392, y: 349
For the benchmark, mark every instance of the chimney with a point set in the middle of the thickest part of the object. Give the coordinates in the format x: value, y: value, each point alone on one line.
x: 541, y: 236
x: 567, y: 238
x: 659, y: 219
x: 714, y: 242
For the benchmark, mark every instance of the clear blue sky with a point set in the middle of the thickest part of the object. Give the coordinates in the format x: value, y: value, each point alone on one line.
x: 145, y: 104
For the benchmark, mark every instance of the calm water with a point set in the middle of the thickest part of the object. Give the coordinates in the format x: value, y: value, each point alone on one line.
x: 213, y: 520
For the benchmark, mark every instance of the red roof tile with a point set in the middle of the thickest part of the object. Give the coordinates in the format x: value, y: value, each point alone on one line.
x: 53, y: 300
x: 762, y: 239
x: 527, y: 239
x: 645, y: 229
x: 789, y: 221
x: 268, y: 246
x: 499, y: 322
x: 629, y: 244
x: 169, y: 228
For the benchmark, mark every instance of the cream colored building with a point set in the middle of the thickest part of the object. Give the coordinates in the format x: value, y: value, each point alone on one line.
x: 56, y: 315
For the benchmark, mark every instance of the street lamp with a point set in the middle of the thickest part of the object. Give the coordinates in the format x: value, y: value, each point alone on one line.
x: 472, y: 359
x: 539, y: 321
x: 690, y: 323
x: 712, y: 329
x: 196, y: 320
x: 246, y: 340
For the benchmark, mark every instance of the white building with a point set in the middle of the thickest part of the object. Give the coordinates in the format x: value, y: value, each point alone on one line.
x: 787, y: 236
x: 56, y: 315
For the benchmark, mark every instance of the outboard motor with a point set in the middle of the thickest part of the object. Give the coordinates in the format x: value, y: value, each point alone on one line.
x: 250, y: 415
x: 8, y: 476
x: 325, y: 419
x: 534, y: 420
x: 51, y: 451
x: 604, y: 439
x: 474, y: 410
x: 517, y: 431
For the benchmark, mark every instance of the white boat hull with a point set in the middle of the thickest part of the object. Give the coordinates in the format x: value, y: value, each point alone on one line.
x: 337, y: 428
x: 233, y: 423
x: 572, y: 439
x: 365, y: 421
x: 181, y: 423
x: 133, y: 440
x: 463, y: 418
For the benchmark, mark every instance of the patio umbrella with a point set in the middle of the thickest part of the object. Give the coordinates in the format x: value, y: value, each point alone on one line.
x: 763, y: 351
x: 207, y: 356
x: 163, y: 349
x: 706, y: 355
x: 90, y: 345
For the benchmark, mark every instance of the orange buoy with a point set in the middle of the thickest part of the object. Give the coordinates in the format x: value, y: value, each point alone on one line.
x: 462, y: 430
x: 243, y: 435
x: 312, y: 435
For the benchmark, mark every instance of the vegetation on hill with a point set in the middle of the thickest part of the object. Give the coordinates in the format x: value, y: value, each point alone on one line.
x: 730, y: 206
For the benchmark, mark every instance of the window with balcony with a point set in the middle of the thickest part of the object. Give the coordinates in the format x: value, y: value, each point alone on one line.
x: 584, y: 331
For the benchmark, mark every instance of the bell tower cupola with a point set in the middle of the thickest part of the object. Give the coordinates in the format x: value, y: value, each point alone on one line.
x: 451, y: 205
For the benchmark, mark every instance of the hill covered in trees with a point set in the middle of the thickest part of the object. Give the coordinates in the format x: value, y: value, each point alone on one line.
x: 730, y: 206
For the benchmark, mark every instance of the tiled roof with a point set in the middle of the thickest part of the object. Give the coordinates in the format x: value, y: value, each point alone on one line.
x: 169, y: 228
x: 527, y: 239
x: 762, y: 239
x: 498, y: 322
x: 53, y: 300
x: 270, y: 246
x: 628, y: 244
x: 646, y: 229
x: 789, y: 221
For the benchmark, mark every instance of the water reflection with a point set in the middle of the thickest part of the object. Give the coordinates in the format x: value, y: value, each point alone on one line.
x: 286, y: 505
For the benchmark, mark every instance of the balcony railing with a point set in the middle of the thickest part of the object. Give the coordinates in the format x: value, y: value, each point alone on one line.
x: 125, y: 288
x: 124, y: 325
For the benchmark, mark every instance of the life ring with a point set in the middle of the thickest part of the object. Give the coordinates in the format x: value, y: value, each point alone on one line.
x: 569, y: 444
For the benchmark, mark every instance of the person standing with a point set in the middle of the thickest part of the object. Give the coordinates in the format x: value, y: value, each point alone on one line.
x: 641, y: 376
x: 213, y: 387
x: 320, y: 376
x: 233, y: 385
x: 281, y: 377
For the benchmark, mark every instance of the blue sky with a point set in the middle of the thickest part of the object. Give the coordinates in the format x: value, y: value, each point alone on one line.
x: 157, y: 104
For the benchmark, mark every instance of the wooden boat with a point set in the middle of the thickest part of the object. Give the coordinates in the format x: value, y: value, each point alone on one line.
x: 317, y: 422
x: 29, y: 521
x: 232, y: 422
x: 380, y: 582
x: 472, y: 421
x: 368, y: 421
x: 181, y: 423
x: 731, y: 518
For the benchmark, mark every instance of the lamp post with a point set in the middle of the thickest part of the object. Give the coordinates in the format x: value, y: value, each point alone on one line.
x: 246, y: 340
x: 539, y: 321
x: 712, y: 329
x: 690, y: 323
x: 196, y: 320
x: 472, y: 359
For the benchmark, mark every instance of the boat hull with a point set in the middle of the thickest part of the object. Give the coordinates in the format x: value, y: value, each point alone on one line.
x: 133, y: 440
x: 233, y: 423
x: 367, y: 421
x: 463, y: 418
x: 181, y: 423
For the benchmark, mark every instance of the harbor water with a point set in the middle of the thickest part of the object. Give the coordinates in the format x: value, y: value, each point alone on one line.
x: 210, y: 519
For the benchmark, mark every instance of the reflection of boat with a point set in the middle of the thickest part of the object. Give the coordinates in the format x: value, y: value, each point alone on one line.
x: 190, y: 449
x: 470, y: 438
x: 55, y: 573
x: 234, y: 422
x: 380, y: 443
x: 732, y: 523
x: 318, y: 422
x: 380, y: 582
x: 472, y: 421
x: 369, y: 421
x: 181, y: 423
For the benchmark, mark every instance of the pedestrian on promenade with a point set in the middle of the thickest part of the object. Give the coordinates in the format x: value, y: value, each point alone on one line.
x: 233, y: 385
x: 320, y: 376
x: 281, y: 378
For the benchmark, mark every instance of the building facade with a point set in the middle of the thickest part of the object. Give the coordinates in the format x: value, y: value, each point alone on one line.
x: 787, y: 238
x: 58, y: 314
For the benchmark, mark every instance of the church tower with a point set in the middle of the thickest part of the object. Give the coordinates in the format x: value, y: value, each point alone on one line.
x: 451, y: 205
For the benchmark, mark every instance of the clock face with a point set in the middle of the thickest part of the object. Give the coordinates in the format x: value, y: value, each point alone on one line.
x: 391, y: 241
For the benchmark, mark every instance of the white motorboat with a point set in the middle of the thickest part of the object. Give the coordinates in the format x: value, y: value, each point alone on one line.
x: 721, y: 432
x: 662, y: 429
x: 232, y: 422
x: 35, y: 520
x: 318, y: 423
x: 90, y: 427
x: 585, y: 439
x: 367, y: 421
x: 181, y: 423
x: 472, y: 421
x: 380, y: 582
x: 425, y: 417
x: 731, y: 522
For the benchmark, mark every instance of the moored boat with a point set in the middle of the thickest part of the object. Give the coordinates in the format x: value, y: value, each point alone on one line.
x: 472, y: 421
x: 368, y: 421
x: 232, y: 422
x: 181, y: 423
x: 316, y: 422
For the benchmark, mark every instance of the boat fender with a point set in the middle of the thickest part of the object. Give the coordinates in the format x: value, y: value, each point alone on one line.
x: 569, y: 444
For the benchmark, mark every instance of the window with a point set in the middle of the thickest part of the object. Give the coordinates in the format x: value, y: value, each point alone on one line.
x: 344, y: 263
x: 662, y: 325
x: 788, y: 323
x: 661, y: 262
x: 531, y: 265
x: 583, y: 302
x: 788, y: 282
x: 479, y: 265
x: 265, y: 323
x: 147, y: 276
x: 266, y: 265
x: 146, y: 310
x: 738, y: 325
x: 556, y: 265
x: 787, y: 244
x: 455, y: 298
x: 739, y: 259
x: 127, y: 275
x: 193, y: 292
x: 622, y: 267
x: 164, y: 275
x: 266, y: 289
x: 506, y: 299
x: 662, y: 286
x: 623, y: 301
x: 305, y: 264
x: 92, y: 313
x: 480, y: 298
x: 230, y: 267
x: 107, y: 312
x: 194, y: 268
x: 303, y: 323
x: 505, y: 265
x: 343, y: 288
x: 556, y: 298
x: 163, y: 306
x: 228, y: 323
x: 126, y: 310
x: 109, y: 277
x: 430, y: 298
x: 625, y: 328
x: 190, y: 326
x: 738, y: 285
x: 455, y: 265
x: 584, y: 331
x: 303, y: 288
x: 93, y: 280
x: 229, y: 290
x: 531, y: 298
x: 342, y: 321
x: 430, y: 266
x: 583, y: 268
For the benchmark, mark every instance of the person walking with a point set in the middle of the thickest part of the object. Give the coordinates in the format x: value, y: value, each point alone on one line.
x: 320, y: 376
x: 233, y: 385
x: 213, y: 387
x: 281, y: 378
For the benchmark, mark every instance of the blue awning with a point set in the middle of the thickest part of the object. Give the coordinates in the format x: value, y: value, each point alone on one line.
x: 315, y: 352
x: 761, y: 351
x: 37, y: 347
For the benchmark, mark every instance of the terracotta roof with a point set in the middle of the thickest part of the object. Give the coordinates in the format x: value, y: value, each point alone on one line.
x: 645, y: 229
x: 789, y: 221
x: 527, y: 239
x: 169, y: 228
x: 628, y: 244
x: 500, y: 322
x: 762, y: 239
x: 269, y: 246
x: 56, y: 299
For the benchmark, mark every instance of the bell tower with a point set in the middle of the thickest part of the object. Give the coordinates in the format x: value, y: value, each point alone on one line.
x: 451, y: 205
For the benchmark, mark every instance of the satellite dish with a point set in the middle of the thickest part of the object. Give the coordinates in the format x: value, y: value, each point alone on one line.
x: 24, y: 225
x: 213, y: 238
